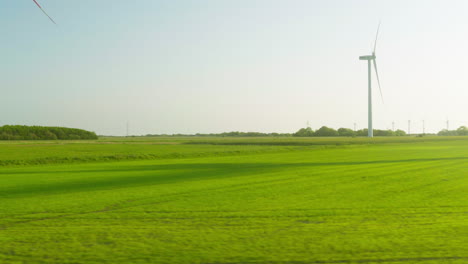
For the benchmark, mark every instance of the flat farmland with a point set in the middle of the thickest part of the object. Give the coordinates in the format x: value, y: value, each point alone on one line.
x: 235, y: 200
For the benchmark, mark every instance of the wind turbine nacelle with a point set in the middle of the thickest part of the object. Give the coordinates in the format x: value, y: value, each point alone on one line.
x: 368, y: 57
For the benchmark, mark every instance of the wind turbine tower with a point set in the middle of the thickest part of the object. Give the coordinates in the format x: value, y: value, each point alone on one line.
x: 371, y: 60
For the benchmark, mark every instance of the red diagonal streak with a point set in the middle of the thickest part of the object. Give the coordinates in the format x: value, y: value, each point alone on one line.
x: 38, y: 5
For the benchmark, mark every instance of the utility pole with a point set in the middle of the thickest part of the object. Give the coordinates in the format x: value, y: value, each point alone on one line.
x: 354, y: 127
x: 393, y: 126
x: 308, y: 125
x: 409, y: 127
x: 447, y: 124
x: 424, y: 127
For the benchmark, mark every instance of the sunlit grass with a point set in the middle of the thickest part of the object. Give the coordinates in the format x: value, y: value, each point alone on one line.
x: 385, y: 202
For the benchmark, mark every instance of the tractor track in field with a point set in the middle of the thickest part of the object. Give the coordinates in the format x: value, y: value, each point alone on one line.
x: 393, y: 260
x: 118, y: 206
x: 181, y: 195
x: 388, y: 260
x: 108, y: 208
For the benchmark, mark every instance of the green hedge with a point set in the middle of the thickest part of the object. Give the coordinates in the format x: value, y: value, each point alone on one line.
x: 44, y: 133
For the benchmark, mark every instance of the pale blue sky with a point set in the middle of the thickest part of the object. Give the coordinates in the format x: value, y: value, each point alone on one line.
x: 180, y: 66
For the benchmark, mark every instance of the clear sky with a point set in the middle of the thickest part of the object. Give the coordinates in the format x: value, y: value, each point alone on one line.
x: 188, y: 66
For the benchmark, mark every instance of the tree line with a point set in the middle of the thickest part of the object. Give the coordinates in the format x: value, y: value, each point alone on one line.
x: 224, y: 134
x: 303, y: 132
x: 345, y: 132
x: 44, y: 133
x: 321, y: 132
x: 461, y: 131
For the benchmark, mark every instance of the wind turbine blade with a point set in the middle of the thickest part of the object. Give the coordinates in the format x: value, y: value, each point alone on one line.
x: 378, y: 80
x: 376, y: 36
x: 38, y: 5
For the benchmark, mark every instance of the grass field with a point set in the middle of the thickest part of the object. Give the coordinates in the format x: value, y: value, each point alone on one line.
x: 231, y: 200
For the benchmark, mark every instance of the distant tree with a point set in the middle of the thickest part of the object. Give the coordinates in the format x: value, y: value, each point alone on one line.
x: 5, y: 136
x: 346, y: 132
x: 326, y: 132
x: 462, y: 131
x: 400, y: 133
x: 443, y: 132
x: 362, y: 132
x: 49, y: 135
x: 304, y: 132
x: 446, y: 132
x: 383, y: 133
x: 74, y: 137
x: 33, y: 136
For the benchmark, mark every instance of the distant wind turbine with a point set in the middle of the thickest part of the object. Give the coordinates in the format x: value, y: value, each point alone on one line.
x: 43, y: 11
x: 370, y: 58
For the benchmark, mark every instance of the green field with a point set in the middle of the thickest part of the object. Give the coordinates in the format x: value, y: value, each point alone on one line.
x: 235, y: 200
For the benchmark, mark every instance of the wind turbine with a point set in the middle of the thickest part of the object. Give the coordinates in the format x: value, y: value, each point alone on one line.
x: 371, y: 60
x: 38, y: 5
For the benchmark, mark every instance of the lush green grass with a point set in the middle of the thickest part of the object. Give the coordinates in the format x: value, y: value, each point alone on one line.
x: 141, y: 148
x: 53, y: 152
x: 204, y: 201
